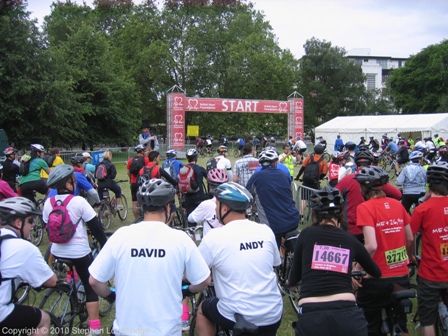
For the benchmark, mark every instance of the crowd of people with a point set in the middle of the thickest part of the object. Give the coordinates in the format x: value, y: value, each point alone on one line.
x: 360, y: 217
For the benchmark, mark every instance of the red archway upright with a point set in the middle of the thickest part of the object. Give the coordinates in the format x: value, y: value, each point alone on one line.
x: 177, y: 104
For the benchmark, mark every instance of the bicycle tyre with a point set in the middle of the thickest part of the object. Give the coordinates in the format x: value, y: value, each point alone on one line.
x: 211, y: 152
x: 194, y: 313
x: 105, y: 215
x: 326, y: 157
x: 294, y: 296
x: 62, y: 304
x: 202, y: 152
x: 236, y: 153
x: 22, y: 292
x: 55, y: 327
x: 180, y: 219
x: 37, y: 233
x: 123, y: 213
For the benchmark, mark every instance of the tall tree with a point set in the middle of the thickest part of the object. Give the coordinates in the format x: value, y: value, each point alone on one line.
x: 421, y: 86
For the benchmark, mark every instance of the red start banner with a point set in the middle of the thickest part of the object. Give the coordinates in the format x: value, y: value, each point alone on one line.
x: 178, y: 104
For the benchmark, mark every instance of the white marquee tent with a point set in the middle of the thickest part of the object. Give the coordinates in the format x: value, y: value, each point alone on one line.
x: 354, y: 127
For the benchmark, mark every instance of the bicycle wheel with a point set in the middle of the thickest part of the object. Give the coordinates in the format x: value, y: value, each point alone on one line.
x: 37, y: 233
x: 326, y: 157
x: 60, y: 302
x: 211, y: 152
x: 202, y: 152
x: 236, y: 153
x: 105, y: 215
x: 55, y: 327
x: 192, y: 331
x: 22, y: 291
x: 179, y: 219
x: 294, y: 295
x: 124, y: 212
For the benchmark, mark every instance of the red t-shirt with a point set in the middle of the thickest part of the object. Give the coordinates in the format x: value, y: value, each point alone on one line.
x: 155, y: 173
x: 431, y: 218
x: 333, y: 171
x: 388, y: 217
x: 351, y: 192
x: 134, y: 178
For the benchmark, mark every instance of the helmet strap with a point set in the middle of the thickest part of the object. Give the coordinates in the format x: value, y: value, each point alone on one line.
x: 220, y: 217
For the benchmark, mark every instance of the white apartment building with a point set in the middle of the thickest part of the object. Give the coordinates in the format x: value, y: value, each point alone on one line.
x: 376, y: 68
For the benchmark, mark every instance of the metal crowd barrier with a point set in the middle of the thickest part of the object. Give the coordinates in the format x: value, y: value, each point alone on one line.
x: 300, y: 195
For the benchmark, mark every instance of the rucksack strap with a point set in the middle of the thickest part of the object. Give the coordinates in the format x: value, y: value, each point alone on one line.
x: 66, y: 200
x: 2, y: 238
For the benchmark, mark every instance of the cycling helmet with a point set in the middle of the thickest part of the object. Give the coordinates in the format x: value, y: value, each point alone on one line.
x: 436, y: 135
x: 17, y: 207
x: 37, y: 148
x: 156, y: 193
x: 328, y: 200
x: 139, y: 148
x: 171, y: 153
x: 192, y: 153
x: 427, y: 138
x: 443, y: 150
x: 363, y: 158
x: 271, y: 148
x: 350, y: 145
x: 343, y: 155
x: 401, y: 141
x: 59, y: 176
x: 234, y: 195
x: 217, y: 176
x: 9, y: 151
x: 336, y: 155
x: 319, y: 149
x: 222, y: 149
x: 77, y: 159
x: 418, y: 138
x: 437, y: 172
x: 372, y: 177
x: 267, y: 156
x: 298, y: 138
x: 363, y: 147
x: 415, y: 155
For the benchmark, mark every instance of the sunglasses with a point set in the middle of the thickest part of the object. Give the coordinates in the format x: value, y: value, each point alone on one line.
x: 30, y: 220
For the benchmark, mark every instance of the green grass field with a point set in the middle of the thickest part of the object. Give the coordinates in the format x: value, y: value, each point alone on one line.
x: 288, y: 313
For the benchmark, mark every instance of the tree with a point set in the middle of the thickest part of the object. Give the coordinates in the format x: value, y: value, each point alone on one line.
x: 331, y: 84
x: 421, y: 86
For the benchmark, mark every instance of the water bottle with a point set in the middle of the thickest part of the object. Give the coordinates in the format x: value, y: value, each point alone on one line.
x: 443, y: 313
x: 81, y: 292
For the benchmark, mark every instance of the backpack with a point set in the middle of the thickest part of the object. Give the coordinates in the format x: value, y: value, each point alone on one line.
x: 2, y: 238
x: 168, y: 166
x: 60, y: 228
x: 24, y: 167
x: 137, y: 163
x: 49, y: 159
x: 187, y: 182
x: 311, y: 172
x: 212, y: 164
x: 101, y: 172
x: 149, y: 173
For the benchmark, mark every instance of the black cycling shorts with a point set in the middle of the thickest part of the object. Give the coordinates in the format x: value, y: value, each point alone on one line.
x: 428, y: 297
x: 134, y: 189
x: 22, y: 317
x: 402, y: 161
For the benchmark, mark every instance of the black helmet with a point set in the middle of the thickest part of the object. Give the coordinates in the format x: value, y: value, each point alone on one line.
x: 418, y: 138
x: 350, y: 145
x: 156, y: 193
x: 234, y: 195
x: 77, y: 159
x: 437, y: 172
x: 319, y: 149
x: 363, y: 148
x: 363, y: 158
x: 328, y: 200
x: 372, y: 177
x: 59, y: 176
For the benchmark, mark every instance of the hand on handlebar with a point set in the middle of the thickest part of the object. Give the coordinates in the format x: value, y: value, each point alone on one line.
x: 112, y: 296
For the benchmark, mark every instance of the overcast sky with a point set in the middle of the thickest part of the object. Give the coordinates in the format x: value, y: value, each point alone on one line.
x: 397, y: 28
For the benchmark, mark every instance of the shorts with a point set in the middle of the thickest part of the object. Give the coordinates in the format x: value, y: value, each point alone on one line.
x: 211, y: 312
x: 428, y: 297
x: 302, y: 150
x: 402, y: 161
x: 22, y: 317
x: 331, y: 318
x: 134, y: 189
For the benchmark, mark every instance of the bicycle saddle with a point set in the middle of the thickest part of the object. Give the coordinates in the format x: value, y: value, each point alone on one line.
x: 401, y: 293
x: 243, y: 327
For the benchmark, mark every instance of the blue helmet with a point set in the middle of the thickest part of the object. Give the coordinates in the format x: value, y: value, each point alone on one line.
x: 171, y: 153
x: 416, y: 155
x: 234, y: 195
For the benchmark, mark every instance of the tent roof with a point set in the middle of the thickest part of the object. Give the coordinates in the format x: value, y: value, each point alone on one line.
x: 386, y: 123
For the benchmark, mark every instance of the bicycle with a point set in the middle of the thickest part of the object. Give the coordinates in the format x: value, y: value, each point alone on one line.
x: 241, y: 327
x: 108, y: 208
x: 37, y: 232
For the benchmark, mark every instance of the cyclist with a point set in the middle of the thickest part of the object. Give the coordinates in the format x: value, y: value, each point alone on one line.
x: 431, y: 220
x: 430, y: 148
x: 338, y: 144
x: 347, y: 165
x: 249, y: 286
x: 402, y: 156
x: 223, y: 140
x: 32, y: 181
x: 205, y: 213
x: 149, y: 255
x: 172, y: 160
x: 362, y: 141
x: 88, y: 162
x: 413, y: 180
x: 5, y: 190
x: 351, y: 146
x: 21, y: 261
x: 288, y: 158
x: 300, y: 148
x: 133, y: 178
x: 388, y: 236
x: 419, y: 143
x: 271, y: 189
x: 10, y: 167
x: 199, y: 143
x: 245, y: 167
x: 208, y: 143
x: 192, y: 200
x: 323, y: 167
x: 108, y: 182
x: 333, y: 168
x: 443, y: 154
x: 327, y: 301
x: 63, y: 179
x: 147, y: 138
x: 223, y: 162
x: 374, y: 144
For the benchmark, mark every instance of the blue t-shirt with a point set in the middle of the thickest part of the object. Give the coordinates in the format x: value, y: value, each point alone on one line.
x: 81, y: 184
x: 393, y: 147
x: 280, y: 166
x: 176, y: 164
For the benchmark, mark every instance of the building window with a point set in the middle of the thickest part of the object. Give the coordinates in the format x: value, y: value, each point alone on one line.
x: 371, y: 81
x: 382, y: 62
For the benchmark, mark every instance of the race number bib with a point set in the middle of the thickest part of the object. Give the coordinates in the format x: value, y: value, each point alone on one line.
x: 444, y: 251
x: 396, y: 256
x: 330, y: 258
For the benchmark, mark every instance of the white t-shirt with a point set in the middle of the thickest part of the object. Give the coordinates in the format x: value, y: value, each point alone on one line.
x: 224, y: 163
x: 242, y: 255
x: 23, y: 261
x: 300, y: 144
x: 78, y: 246
x: 420, y: 143
x: 205, y: 214
x: 148, y: 261
x: 430, y: 145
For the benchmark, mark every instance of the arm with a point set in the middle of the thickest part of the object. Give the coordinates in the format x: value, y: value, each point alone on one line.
x: 369, y: 239
x: 365, y: 260
x: 97, y: 231
x: 51, y: 282
x: 101, y: 288
x: 409, y: 240
x: 392, y: 191
x: 200, y: 287
x: 113, y: 171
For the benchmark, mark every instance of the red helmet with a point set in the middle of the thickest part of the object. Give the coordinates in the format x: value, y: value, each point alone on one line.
x: 9, y: 151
